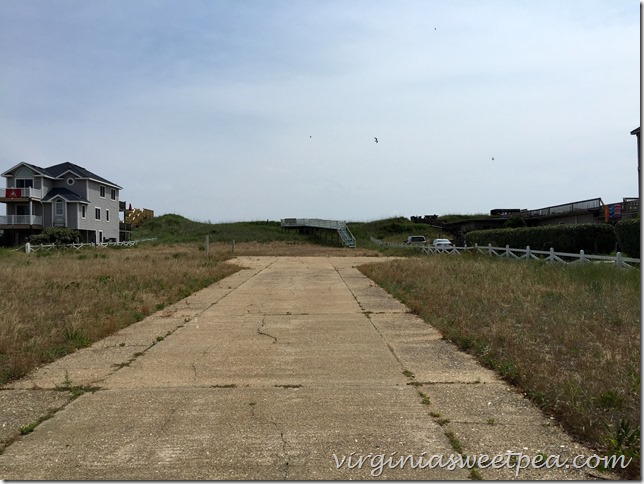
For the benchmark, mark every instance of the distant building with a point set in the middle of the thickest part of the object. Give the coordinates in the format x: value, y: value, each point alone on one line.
x: 63, y: 195
x: 585, y: 211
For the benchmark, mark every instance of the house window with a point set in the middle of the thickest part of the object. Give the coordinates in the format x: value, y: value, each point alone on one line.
x: 24, y: 183
x: 60, y: 208
x: 102, y: 189
x: 83, y: 211
x: 113, y: 194
x: 107, y: 215
x: 97, y: 213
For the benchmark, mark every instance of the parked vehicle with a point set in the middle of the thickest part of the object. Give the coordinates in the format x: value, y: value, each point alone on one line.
x: 442, y: 244
x: 416, y: 240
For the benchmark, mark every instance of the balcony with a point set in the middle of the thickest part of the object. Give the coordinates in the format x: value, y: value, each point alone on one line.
x: 20, y: 221
x: 593, y: 205
x: 631, y: 205
x: 20, y: 194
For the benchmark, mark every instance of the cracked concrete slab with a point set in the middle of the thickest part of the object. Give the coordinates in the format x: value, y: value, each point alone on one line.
x: 24, y: 407
x: 247, y: 433
x: 83, y: 368
x: 292, y: 368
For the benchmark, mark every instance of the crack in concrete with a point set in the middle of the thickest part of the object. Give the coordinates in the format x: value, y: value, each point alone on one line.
x: 285, y: 453
x: 283, y: 440
x: 259, y: 331
x: 168, y: 418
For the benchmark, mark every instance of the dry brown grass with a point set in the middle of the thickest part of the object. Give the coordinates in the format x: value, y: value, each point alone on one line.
x: 55, y: 302
x: 568, y: 336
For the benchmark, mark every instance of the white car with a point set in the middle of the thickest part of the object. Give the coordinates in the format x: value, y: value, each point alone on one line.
x: 442, y: 244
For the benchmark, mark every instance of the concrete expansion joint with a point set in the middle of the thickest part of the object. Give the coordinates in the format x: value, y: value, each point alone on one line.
x: 350, y: 290
x: 285, y: 453
x: 462, y: 382
x: 74, y: 393
x: 233, y: 289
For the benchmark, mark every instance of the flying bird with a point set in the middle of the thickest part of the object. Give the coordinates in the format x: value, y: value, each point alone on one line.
x: 493, y: 158
x: 375, y: 139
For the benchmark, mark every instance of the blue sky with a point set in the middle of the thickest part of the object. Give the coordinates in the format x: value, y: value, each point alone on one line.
x: 263, y: 109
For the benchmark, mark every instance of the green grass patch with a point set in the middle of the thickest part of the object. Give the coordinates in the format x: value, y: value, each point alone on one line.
x: 172, y: 228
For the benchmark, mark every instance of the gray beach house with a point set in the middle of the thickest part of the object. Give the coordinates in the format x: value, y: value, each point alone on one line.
x: 63, y: 195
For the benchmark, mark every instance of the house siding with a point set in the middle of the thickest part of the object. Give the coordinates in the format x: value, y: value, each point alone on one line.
x: 47, y: 219
x: 72, y: 215
x: 84, y: 185
x: 47, y: 185
x: 110, y: 229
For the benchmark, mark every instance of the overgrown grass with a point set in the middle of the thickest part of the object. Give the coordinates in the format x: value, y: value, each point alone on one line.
x: 171, y: 228
x: 55, y: 302
x: 568, y: 336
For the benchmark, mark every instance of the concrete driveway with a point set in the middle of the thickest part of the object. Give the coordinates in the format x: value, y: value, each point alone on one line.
x: 293, y: 368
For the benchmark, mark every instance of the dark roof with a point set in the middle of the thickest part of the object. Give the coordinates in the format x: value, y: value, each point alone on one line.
x: 39, y: 169
x: 56, y: 171
x: 64, y: 193
x: 636, y: 131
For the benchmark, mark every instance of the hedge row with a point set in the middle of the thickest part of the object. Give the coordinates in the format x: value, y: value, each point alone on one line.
x: 628, y: 236
x: 56, y: 235
x: 591, y: 238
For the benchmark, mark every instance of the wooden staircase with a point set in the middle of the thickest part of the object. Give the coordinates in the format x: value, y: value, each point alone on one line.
x: 136, y: 216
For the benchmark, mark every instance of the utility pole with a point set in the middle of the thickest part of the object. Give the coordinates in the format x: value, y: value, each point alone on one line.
x: 636, y: 132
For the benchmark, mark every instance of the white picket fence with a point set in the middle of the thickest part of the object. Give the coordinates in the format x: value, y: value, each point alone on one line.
x: 28, y: 248
x: 520, y: 254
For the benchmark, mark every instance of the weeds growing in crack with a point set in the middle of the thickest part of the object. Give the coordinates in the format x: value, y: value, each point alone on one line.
x: 75, y: 391
x: 424, y: 397
x: 27, y: 429
x: 475, y: 475
x: 454, y: 442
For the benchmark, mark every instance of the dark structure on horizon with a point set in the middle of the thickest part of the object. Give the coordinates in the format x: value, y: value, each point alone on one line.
x: 584, y: 211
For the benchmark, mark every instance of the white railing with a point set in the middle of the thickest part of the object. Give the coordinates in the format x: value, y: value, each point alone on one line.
x: 519, y: 254
x: 312, y: 222
x: 20, y: 193
x: 98, y: 245
x: 341, y: 226
x: 584, y: 205
x: 20, y: 220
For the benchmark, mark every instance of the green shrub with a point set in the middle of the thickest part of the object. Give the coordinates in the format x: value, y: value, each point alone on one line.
x: 56, y: 235
x: 591, y: 238
x: 628, y: 236
x: 514, y: 222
